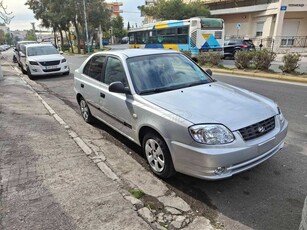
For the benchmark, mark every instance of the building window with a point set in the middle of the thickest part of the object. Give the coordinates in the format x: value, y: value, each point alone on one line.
x: 259, y: 29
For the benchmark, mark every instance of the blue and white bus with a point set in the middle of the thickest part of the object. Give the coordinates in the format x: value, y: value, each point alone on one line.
x: 198, y: 34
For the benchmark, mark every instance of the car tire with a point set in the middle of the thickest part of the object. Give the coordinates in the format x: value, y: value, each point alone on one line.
x: 66, y: 73
x: 29, y: 74
x: 158, y: 156
x: 22, y: 70
x: 85, y: 111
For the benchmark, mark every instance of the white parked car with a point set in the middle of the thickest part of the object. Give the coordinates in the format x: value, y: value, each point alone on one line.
x: 184, y: 120
x: 42, y: 59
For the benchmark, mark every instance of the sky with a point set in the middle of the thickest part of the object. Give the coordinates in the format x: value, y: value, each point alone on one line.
x: 23, y: 17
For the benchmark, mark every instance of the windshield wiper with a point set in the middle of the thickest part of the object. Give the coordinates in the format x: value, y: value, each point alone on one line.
x: 197, y: 83
x: 158, y: 90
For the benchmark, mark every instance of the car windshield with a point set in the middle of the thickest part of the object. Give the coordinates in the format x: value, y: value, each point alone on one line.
x: 41, y: 50
x: 164, y: 72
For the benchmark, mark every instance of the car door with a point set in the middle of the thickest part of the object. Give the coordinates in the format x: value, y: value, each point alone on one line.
x: 89, y: 83
x: 117, y: 107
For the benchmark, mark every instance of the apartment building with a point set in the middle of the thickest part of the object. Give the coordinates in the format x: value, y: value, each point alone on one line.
x: 276, y: 24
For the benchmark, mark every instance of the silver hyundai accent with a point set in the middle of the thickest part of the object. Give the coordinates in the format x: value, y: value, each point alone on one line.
x: 184, y: 120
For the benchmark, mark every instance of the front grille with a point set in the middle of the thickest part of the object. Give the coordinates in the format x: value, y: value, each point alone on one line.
x: 258, y: 129
x: 51, y: 70
x: 49, y: 63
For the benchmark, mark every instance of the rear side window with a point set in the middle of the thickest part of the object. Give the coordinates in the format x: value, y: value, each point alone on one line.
x: 94, y: 67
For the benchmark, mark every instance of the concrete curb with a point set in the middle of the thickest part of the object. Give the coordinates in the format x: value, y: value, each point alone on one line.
x: 262, y: 75
x: 303, y: 225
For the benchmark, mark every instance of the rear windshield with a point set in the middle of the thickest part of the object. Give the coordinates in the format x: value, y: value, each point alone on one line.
x: 211, y: 23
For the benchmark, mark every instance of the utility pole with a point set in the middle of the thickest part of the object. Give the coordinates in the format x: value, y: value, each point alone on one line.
x: 86, y: 30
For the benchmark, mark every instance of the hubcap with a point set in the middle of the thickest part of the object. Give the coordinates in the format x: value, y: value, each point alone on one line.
x: 84, y: 109
x: 154, y: 155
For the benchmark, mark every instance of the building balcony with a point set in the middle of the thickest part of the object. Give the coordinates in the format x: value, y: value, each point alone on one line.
x: 226, y: 4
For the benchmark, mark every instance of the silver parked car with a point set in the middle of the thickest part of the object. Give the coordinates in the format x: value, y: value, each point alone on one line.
x: 184, y: 120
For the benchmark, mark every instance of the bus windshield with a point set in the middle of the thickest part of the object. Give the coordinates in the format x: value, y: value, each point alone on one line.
x: 211, y: 23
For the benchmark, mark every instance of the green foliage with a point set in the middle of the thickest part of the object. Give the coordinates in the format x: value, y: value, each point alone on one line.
x: 243, y: 59
x: 137, y: 193
x: 209, y: 58
x: 176, y: 10
x: 30, y: 36
x: 118, y: 27
x: 263, y: 58
x: 290, y: 62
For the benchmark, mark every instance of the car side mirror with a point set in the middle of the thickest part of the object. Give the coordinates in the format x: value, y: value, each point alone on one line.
x: 209, y: 72
x: 22, y: 54
x: 118, y: 87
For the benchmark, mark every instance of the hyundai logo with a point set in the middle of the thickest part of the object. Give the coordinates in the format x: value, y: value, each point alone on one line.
x: 261, y: 129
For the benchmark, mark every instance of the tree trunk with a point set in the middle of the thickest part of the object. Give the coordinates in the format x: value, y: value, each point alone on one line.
x: 69, y: 40
x: 78, y: 35
x: 62, y: 39
x: 55, y: 38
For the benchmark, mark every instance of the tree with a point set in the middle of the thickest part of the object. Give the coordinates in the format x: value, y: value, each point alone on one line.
x: 60, y: 15
x: 118, y: 27
x: 4, y: 15
x: 9, y: 39
x: 30, y: 36
x: 175, y: 10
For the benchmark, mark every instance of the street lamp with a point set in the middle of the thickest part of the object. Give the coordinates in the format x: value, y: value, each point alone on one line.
x: 86, y: 30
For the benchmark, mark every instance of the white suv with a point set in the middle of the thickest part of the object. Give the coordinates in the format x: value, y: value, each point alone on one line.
x: 42, y: 59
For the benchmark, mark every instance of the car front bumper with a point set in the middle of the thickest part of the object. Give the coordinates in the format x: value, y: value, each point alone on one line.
x: 214, y: 163
x: 37, y: 70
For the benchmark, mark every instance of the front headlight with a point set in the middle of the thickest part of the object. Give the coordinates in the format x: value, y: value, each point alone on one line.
x: 33, y: 63
x: 63, y: 60
x: 280, y: 115
x: 212, y: 134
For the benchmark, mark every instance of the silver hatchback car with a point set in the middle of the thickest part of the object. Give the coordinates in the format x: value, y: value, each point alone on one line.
x: 184, y: 120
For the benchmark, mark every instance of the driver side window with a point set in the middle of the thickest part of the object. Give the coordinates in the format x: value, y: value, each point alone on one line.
x: 114, y: 72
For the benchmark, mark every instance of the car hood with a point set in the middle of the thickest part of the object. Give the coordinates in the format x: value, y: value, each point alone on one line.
x: 41, y: 58
x: 216, y: 103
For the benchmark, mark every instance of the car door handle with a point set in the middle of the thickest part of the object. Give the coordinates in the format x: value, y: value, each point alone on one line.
x: 82, y: 86
x: 102, y: 95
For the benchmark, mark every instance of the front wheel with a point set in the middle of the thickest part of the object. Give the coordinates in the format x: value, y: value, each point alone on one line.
x: 158, y: 155
x: 85, y: 111
x: 29, y: 74
x: 22, y: 70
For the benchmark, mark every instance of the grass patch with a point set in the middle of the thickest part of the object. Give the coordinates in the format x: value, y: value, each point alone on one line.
x: 137, y: 193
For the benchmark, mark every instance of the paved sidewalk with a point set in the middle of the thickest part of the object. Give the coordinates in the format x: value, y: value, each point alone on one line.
x: 47, y: 182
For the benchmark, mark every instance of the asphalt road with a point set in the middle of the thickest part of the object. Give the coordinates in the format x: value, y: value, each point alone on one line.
x: 269, y: 196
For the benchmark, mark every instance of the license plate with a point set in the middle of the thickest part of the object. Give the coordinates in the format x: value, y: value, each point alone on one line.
x: 51, y: 67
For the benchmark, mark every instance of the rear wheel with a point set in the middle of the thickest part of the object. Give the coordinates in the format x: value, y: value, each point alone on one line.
x: 158, y: 155
x: 85, y: 111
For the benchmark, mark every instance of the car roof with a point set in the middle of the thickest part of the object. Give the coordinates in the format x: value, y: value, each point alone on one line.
x: 23, y: 42
x: 39, y: 45
x: 137, y: 52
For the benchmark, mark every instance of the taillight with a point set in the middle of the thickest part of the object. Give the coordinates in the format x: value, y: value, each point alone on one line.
x: 244, y: 46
